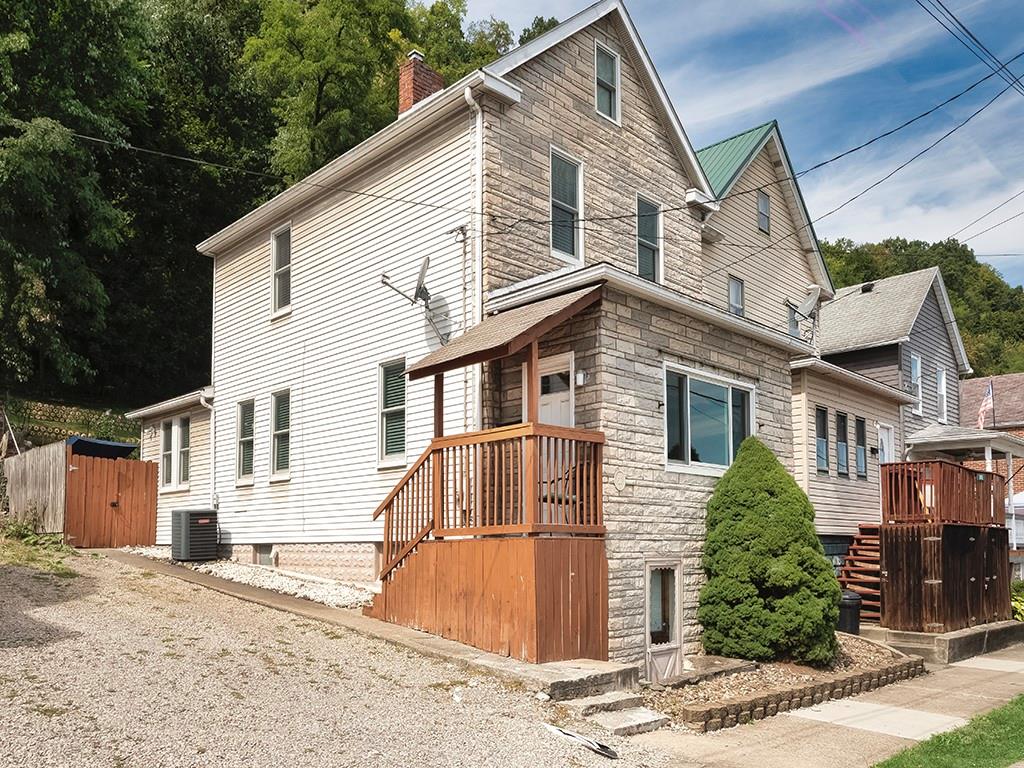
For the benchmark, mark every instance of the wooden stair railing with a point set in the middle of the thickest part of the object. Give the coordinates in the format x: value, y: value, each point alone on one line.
x: 408, y: 512
x: 861, y: 571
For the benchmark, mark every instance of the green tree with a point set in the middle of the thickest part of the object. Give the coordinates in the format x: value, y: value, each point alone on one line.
x: 989, y: 313
x: 329, y: 67
x: 770, y: 593
x: 438, y: 30
x: 65, y: 67
x: 537, y: 27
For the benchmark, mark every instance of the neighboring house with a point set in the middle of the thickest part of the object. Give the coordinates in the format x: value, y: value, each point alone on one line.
x: 844, y: 426
x: 1007, y: 412
x: 900, y: 331
x: 560, y: 170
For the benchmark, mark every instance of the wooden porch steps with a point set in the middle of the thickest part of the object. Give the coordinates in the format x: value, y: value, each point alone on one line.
x: 861, y: 571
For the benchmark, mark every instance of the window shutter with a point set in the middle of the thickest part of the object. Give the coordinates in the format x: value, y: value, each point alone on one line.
x: 246, y: 418
x: 282, y: 412
x: 394, y: 385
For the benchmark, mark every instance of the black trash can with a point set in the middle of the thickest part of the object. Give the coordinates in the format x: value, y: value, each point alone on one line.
x: 849, y: 612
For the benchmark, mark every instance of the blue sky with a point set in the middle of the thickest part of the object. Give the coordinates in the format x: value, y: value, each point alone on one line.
x: 835, y: 73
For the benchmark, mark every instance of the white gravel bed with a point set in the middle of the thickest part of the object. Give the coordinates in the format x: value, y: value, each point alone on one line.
x: 128, y: 668
x: 333, y: 593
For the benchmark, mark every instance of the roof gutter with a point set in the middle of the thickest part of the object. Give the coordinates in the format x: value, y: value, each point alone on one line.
x: 174, y: 405
x: 561, y: 282
x: 818, y: 365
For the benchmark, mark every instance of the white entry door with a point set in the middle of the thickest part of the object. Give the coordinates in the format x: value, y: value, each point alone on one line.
x: 556, y: 403
x: 886, y: 444
x: 664, y: 659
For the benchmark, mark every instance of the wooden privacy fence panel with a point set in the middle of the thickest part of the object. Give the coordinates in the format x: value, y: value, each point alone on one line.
x: 110, y: 502
x: 941, y: 492
x: 36, y: 486
x: 942, y: 577
x: 534, y: 599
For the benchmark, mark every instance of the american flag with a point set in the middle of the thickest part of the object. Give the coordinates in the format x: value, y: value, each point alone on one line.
x: 986, y: 406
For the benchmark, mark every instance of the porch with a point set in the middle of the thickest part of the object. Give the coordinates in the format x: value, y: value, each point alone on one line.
x: 495, y: 538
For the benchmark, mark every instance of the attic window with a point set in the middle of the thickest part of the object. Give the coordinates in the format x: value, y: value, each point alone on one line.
x: 606, y: 82
x: 764, y: 211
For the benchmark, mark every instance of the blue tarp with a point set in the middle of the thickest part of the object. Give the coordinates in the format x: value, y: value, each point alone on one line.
x: 104, y: 449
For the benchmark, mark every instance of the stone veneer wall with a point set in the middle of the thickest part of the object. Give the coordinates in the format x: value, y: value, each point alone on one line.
x: 357, y: 563
x: 650, y: 512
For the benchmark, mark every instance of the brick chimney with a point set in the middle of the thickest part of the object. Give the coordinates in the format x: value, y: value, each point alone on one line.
x: 416, y: 81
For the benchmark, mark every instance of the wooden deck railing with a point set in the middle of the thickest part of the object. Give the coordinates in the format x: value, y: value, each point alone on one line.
x: 941, y: 492
x: 520, y: 480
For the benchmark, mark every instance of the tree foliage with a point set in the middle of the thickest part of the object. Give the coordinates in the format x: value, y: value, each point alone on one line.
x: 771, y: 593
x: 537, y: 27
x: 989, y: 313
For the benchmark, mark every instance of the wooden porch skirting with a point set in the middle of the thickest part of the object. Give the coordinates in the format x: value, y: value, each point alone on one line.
x: 939, y: 577
x: 534, y: 599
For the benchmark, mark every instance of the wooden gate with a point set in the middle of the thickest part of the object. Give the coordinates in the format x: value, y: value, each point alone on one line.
x: 110, y: 502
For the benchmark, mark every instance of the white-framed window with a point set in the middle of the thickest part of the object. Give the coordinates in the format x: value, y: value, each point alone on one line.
x: 280, y: 417
x: 915, y: 384
x: 648, y: 240
x: 566, y: 205
x: 794, y: 321
x: 706, y: 418
x: 184, y: 449
x: 940, y: 394
x: 764, y: 211
x: 281, y: 257
x: 861, y: 437
x: 736, y: 296
x: 821, y: 439
x: 246, y: 431
x: 167, y: 453
x: 392, y: 412
x: 606, y: 82
x: 842, y: 445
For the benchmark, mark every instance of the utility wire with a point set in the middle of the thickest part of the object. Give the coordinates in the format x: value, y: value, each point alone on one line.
x: 989, y: 229
x: 987, y: 213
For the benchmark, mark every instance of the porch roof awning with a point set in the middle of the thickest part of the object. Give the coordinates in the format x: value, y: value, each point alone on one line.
x: 505, y: 333
x: 964, y: 442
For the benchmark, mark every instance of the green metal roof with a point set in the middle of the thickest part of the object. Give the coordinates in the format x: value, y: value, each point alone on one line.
x: 724, y: 160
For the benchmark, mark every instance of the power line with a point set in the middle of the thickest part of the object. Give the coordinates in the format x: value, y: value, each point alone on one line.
x: 989, y: 229
x: 985, y: 56
x: 987, y: 213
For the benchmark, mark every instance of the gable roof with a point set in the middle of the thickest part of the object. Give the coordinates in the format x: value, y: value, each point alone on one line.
x: 725, y: 162
x: 885, y: 314
x: 1007, y: 401
x: 640, y: 58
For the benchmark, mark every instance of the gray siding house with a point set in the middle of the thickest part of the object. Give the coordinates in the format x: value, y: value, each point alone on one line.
x: 900, y: 331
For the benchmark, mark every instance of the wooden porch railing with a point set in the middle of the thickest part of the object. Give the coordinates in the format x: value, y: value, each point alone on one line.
x: 520, y: 480
x: 941, y: 492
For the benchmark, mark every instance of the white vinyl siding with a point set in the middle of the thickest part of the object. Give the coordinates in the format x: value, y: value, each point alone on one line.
x: 281, y: 248
x: 942, y: 408
x: 343, y: 323
x: 706, y: 418
x: 280, y: 453
x: 648, y: 240
x: 606, y: 82
x: 764, y: 211
x: 195, y: 494
x: 916, y: 385
x: 565, y: 205
x: 737, y: 299
x: 245, y: 448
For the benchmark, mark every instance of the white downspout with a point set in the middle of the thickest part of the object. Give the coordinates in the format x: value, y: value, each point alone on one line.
x: 478, y: 244
x: 214, y: 501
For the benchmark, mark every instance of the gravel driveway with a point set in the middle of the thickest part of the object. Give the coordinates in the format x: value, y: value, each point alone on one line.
x: 122, y: 667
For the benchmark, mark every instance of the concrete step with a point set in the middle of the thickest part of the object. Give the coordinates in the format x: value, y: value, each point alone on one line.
x: 627, y: 722
x: 576, y: 679
x: 603, y: 702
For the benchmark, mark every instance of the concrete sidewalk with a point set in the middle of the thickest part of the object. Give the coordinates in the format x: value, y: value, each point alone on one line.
x: 860, y: 731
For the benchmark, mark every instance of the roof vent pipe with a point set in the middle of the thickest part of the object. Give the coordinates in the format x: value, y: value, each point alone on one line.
x: 867, y: 288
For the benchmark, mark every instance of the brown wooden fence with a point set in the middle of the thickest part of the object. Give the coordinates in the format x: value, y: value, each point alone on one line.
x: 941, y: 492
x: 942, y: 577
x: 110, y: 502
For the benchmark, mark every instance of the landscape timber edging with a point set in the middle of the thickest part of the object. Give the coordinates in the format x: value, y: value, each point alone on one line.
x: 705, y: 718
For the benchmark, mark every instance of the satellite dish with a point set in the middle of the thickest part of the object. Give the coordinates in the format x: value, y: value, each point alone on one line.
x: 807, y: 308
x: 421, y: 292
